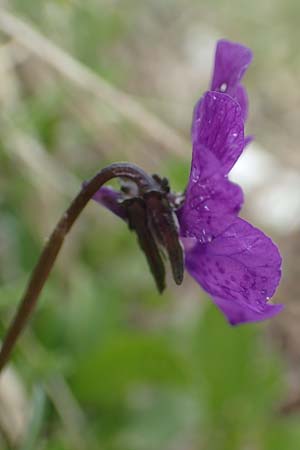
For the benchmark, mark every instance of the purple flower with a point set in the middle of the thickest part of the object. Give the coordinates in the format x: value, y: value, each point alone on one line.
x: 237, y: 264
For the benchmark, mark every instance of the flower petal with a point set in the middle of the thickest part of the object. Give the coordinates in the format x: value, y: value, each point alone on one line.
x: 237, y: 313
x: 206, y: 206
x: 109, y: 198
x: 240, y: 268
x: 218, y: 142
x: 218, y: 135
x: 231, y: 62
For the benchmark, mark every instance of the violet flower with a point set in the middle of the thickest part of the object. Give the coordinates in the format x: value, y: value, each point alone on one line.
x: 237, y: 264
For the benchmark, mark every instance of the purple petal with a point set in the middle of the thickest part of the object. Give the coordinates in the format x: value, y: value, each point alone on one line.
x: 218, y: 135
x: 231, y: 62
x: 207, y: 205
x: 237, y: 313
x: 109, y: 198
x: 240, y: 268
x: 218, y: 142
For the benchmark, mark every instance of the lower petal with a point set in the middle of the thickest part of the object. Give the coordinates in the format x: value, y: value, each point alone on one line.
x: 240, y: 269
x: 237, y: 313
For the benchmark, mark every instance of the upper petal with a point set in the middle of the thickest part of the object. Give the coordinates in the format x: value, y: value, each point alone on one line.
x: 218, y: 135
x: 231, y: 62
x: 240, y: 268
x: 218, y: 140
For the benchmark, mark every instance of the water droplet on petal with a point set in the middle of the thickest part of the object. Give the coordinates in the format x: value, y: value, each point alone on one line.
x: 223, y: 87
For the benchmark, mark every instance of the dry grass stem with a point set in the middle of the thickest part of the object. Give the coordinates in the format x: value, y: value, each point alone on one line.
x: 29, y: 38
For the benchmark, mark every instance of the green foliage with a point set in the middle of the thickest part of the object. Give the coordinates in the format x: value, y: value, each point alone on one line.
x: 127, y: 360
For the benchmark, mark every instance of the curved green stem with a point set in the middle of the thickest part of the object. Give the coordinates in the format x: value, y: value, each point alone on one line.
x: 52, y: 247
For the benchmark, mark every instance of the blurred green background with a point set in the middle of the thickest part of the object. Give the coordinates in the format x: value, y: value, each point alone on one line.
x: 106, y: 362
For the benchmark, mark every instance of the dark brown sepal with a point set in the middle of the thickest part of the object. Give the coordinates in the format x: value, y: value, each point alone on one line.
x: 138, y: 221
x: 164, y: 224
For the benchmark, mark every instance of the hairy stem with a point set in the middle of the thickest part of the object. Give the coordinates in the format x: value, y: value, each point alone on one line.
x: 52, y: 247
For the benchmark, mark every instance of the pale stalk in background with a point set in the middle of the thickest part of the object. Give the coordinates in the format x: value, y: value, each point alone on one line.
x: 29, y: 38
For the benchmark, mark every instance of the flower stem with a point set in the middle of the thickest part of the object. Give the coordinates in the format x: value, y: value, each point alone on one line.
x: 52, y: 247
